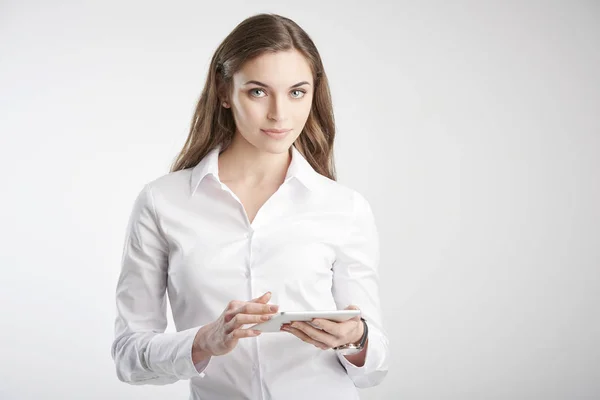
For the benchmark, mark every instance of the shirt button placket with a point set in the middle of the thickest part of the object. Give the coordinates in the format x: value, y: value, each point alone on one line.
x: 256, y: 364
x: 250, y: 236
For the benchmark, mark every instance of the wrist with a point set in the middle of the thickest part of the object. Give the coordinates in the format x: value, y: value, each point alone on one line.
x: 355, y: 346
x: 200, y: 348
x: 359, y: 334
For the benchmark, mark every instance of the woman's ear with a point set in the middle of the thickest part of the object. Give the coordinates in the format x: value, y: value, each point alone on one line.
x: 222, y: 93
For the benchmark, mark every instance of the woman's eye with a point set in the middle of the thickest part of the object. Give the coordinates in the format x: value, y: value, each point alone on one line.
x: 252, y: 91
x: 296, y: 94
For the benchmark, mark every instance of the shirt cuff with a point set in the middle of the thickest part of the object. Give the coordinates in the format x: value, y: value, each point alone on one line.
x: 351, y: 368
x: 375, y: 367
x: 171, y: 354
x: 201, y: 366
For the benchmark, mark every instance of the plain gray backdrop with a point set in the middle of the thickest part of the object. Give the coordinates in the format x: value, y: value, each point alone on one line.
x: 471, y: 127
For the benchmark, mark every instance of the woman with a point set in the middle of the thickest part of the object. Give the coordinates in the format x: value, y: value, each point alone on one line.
x: 251, y: 210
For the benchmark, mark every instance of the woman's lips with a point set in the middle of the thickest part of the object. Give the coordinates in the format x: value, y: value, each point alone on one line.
x: 276, y: 133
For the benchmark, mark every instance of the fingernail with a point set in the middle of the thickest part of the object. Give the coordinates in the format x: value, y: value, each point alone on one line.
x: 273, y: 308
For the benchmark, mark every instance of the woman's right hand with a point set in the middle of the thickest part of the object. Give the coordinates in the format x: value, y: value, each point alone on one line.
x: 221, y: 336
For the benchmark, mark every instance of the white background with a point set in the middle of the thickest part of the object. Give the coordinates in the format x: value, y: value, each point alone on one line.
x: 471, y: 127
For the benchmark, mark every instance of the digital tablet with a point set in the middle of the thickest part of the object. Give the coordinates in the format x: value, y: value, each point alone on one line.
x: 285, y: 317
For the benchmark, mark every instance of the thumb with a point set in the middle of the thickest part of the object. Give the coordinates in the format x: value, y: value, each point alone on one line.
x: 353, y: 307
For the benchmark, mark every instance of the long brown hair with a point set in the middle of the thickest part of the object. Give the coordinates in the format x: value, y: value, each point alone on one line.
x: 213, y: 125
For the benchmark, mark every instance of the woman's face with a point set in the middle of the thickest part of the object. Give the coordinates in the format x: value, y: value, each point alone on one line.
x: 272, y: 91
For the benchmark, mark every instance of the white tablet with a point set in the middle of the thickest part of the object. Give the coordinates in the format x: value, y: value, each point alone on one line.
x: 285, y: 317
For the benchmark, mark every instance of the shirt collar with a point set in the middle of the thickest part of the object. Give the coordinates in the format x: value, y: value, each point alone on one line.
x: 299, y: 169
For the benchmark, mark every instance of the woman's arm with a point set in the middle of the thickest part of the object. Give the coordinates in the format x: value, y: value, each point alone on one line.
x: 356, y: 282
x: 142, y: 351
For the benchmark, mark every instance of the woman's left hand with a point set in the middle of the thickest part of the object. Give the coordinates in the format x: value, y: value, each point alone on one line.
x: 329, y: 334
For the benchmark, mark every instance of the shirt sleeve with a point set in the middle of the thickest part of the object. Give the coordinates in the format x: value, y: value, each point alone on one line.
x: 356, y: 282
x: 143, y: 353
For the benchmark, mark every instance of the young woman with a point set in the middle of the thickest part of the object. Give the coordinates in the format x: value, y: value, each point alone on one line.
x: 249, y: 221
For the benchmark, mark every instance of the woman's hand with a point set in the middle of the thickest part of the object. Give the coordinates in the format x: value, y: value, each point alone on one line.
x: 329, y: 334
x: 221, y: 336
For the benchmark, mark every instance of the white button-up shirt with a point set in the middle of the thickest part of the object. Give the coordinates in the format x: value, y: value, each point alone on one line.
x: 313, y: 244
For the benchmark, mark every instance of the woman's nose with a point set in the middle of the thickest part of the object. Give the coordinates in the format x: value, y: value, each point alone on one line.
x: 276, y: 111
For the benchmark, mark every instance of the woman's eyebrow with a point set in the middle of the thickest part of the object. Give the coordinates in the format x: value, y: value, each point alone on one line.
x: 267, y: 86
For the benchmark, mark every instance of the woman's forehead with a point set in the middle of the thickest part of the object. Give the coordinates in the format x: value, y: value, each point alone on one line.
x: 277, y: 70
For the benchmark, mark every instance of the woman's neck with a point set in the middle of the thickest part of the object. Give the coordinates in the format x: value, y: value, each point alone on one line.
x: 242, y: 162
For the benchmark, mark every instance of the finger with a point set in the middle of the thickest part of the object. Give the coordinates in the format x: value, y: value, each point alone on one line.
x: 353, y: 307
x: 314, y: 333
x: 251, y: 308
x: 234, y: 305
x: 244, y: 319
x: 258, y: 308
x: 262, y: 299
x: 243, y: 333
x: 305, y: 338
x: 331, y: 327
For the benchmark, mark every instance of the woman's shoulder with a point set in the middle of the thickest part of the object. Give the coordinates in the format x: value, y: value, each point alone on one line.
x: 172, y: 182
x: 341, y: 193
